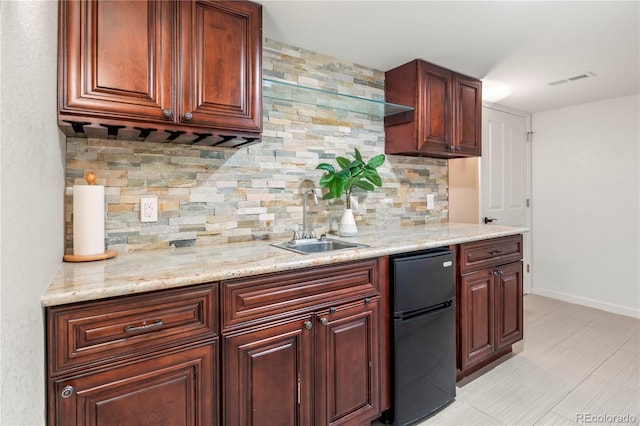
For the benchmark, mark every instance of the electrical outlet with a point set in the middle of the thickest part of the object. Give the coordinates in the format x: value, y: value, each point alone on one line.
x: 148, y: 209
x: 431, y: 201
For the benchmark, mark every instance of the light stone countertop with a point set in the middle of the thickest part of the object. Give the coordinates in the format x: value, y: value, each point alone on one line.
x: 143, y: 271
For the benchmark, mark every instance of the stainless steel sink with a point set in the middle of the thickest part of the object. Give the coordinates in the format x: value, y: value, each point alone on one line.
x: 317, y: 245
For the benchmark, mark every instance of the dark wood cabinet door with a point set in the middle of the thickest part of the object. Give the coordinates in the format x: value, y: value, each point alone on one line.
x: 435, y: 110
x: 347, y: 364
x: 468, y: 115
x: 268, y: 375
x: 508, y: 304
x: 477, y: 325
x: 176, y: 389
x: 447, y: 119
x: 220, y: 81
x: 115, y: 59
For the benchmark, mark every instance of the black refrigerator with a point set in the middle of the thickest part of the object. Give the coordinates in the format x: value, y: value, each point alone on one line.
x: 423, y: 334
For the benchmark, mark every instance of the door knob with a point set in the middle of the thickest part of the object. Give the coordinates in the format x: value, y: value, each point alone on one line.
x: 489, y: 220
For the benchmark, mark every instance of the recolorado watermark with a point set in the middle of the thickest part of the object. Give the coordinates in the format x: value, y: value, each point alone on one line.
x: 586, y: 418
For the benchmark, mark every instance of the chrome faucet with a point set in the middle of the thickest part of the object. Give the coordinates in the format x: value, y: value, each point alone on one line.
x: 305, y: 231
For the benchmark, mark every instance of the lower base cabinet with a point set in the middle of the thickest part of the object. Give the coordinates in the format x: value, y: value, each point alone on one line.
x: 316, y: 369
x: 509, y: 308
x: 347, y: 364
x: 490, y: 309
x: 177, y: 388
x: 268, y: 375
x: 145, y: 359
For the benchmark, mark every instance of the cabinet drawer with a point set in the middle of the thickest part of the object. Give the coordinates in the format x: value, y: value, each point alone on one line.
x: 88, y: 334
x: 497, y: 251
x: 267, y: 297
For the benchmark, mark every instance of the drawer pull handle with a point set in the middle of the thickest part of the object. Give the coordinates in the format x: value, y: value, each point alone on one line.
x: 143, y: 327
x: 67, y: 391
x: 495, y: 252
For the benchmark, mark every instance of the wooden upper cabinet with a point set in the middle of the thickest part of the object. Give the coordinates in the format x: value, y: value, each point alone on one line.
x: 435, y: 124
x: 446, y: 122
x: 220, y: 67
x: 173, y: 68
x: 467, y: 115
x: 115, y: 59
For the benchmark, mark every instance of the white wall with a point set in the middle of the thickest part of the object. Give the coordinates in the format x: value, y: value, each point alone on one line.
x: 31, y: 195
x: 585, y: 230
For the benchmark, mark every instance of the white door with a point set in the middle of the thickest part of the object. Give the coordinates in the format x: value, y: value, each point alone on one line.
x: 506, y: 175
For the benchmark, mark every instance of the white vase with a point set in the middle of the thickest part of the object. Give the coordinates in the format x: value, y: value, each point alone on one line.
x: 348, y: 226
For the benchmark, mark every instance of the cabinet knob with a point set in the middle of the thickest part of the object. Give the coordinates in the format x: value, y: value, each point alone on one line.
x: 367, y: 300
x: 451, y: 148
x: 167, y: 113
x: 332, y: 309
x: 458, y: 148
x: 67, y: 392
x: 324, y: 321
x: 188, y: 116
x: 308, y: 325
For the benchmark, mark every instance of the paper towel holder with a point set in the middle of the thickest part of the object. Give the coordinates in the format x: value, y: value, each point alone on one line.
x: 90, y: 177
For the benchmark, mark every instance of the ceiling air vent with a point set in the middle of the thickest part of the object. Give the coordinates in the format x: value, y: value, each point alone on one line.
x: 555, y: 83
x: 574, y: 78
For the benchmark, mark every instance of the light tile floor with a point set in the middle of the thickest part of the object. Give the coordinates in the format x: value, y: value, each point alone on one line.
x: 575, y: 363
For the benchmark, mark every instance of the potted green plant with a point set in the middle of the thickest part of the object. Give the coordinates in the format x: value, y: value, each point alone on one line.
x: 354, y: 173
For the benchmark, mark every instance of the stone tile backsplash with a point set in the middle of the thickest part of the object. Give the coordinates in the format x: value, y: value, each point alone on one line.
x: 218, y: 195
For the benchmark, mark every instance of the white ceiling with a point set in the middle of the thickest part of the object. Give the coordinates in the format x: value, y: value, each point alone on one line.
x: 517, y: 45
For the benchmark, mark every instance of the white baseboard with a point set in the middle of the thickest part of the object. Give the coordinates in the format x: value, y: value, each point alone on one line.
x: 592, y: 303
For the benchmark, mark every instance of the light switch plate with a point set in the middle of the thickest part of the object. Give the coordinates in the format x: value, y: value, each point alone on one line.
x: 431, y: 201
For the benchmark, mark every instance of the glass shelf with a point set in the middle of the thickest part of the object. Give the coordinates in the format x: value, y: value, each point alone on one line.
x: 290, y: 92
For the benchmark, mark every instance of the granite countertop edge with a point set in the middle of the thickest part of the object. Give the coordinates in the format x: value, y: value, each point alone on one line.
x: 144, y: 271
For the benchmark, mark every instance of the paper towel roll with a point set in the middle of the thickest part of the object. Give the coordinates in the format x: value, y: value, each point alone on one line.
x: 88, y: 219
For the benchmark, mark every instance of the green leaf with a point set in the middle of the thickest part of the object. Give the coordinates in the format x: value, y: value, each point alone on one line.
x: 343, y: 162
x: 376, y: 161
x: 328, y: 196
x: 336, y: 188
x: 326, y: 179
x: 325, y: 166
x: 374, y: 178
x: 363, y: 184
x: 343, y: 174
x: 356, y: 164
x: 357, y: 154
